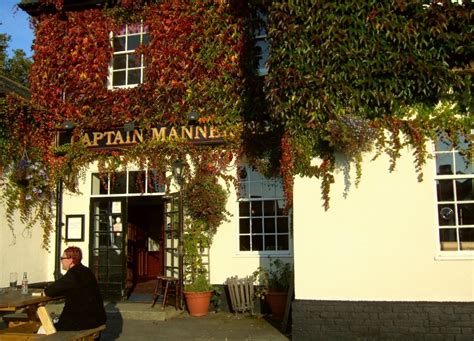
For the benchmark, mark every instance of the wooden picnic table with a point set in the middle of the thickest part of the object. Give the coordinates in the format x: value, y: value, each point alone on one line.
x: 33, y: 303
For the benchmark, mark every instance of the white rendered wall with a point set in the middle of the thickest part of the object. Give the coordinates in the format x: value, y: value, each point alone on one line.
x: 23, y: 252
x: 379, y: 243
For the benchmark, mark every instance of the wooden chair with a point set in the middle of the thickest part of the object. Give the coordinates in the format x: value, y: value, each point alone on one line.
x: 165, y: 286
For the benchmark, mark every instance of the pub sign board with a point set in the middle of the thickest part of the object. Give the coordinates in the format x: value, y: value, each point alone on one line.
x: 121, y: 138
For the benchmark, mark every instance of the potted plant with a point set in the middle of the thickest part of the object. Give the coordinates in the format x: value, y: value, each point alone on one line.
x: 198, y: 295
x: 205, y: 203
x: 274, y: 283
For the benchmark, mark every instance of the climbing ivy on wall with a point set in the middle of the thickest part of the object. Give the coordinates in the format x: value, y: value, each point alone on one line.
x: 349, y: 76
x: 192, y: 64
x: 344, y: 78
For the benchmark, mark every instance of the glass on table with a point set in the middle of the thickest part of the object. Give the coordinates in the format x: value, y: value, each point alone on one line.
x: 13, y: 280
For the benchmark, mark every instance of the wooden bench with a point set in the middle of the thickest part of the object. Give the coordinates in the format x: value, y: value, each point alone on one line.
x: 15, y: 319
x: 27, y: 332
x: 75, y: 335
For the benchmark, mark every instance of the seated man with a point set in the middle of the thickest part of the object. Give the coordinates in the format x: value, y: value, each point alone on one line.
x: 84, y: 307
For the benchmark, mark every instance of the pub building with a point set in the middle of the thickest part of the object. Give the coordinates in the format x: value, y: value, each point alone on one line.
x: 393, y: 256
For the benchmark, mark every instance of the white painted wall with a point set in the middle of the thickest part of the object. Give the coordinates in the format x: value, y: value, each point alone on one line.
x: 380, y: 242
x: 22, y: 251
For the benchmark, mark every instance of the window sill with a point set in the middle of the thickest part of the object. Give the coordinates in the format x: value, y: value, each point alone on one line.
x: 454, y: 255
x: 259, y: 254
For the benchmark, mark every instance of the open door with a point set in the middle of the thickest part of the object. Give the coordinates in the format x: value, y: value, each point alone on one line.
x: 107, y: 244
x: 172, y: 262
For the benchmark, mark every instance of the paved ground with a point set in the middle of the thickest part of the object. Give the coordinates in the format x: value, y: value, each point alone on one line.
x: 215, y: 326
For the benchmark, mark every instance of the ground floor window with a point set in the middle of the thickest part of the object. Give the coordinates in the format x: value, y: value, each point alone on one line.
x: 264, y: 224
x: 455, y: 194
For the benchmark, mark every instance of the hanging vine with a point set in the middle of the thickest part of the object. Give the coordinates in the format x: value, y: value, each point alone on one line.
x: 344, y: 77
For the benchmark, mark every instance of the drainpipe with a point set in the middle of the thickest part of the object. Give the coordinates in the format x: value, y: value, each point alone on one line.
x: 59, y: 225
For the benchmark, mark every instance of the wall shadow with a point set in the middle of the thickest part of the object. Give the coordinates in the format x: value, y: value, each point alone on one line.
x: 114, y: 324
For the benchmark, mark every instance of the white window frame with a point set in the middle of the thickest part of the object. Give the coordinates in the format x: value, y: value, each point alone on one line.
x: 452, y: 249
x: 143, y: 33
x: 255, y: 178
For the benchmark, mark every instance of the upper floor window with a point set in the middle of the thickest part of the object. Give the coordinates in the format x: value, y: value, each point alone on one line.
x: 264, y: 225
x: 127, y: 67
x: 262, y: 49
x: 455, y: 194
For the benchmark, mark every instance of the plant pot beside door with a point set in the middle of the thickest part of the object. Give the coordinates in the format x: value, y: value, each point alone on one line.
x: 198, y: 296
x: 277, y: 302
x: 274, y: 283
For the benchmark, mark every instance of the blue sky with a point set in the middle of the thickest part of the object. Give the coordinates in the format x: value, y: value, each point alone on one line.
x: 15, y: 23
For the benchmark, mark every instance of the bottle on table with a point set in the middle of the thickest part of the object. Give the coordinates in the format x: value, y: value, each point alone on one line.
x: 24, y: 284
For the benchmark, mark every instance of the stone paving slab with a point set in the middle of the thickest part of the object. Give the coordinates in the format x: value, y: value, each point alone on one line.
x: 215, y: 326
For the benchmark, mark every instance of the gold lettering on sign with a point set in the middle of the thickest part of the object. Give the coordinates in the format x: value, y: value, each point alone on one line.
x: 109, y: 135
x: 159, y: 135
x: 214, y: 133
x: 118, y: 138
x: 187, y: 132
x: 96, y: 137
x: 137, y: 135
x: 86, y: 140
x: 173, y: 135
x: 200, y: 132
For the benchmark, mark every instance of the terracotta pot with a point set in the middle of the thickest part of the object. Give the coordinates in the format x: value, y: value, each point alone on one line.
x: 198, y: 302
x: 277, y: 303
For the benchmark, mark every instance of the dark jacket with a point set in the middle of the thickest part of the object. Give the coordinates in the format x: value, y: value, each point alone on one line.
x: 84, y: 308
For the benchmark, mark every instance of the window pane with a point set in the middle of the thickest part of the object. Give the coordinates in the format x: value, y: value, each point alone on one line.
x: 256, y: 208
x: 119, y: 61
x: 466, y: 237
x: 262, y: 53
x: 134, y: 77
x: 446, y: 215
x: 98, y: 186
x: 119, y: 44
x: 134, y: 28
x: 257, y: 225
x: 282, y: 242
x: 444, y: 164
x: 282, y: 225
x: 243, y: 190
x: 257, y: 243
x: 270, y: 243
x: 255, y: 189
x: 462, y: 165
x: 466, y: 214
x: 464, y: 189
x: 146, y: 38
x: 156, y: 182
x: 269, y: 207
x: 134, y: 60
x: 444, y: 189
x: 244, y: 208
x: 448, y: 239
x: 136, y: 182
x: 245, y: 243
x: 118, y: 183
x: 269, y: 225
x: 244, y: 225
x: 442, y: 143
x: 280, y: 207
x: 119, y: 78
x: 133, y: 42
